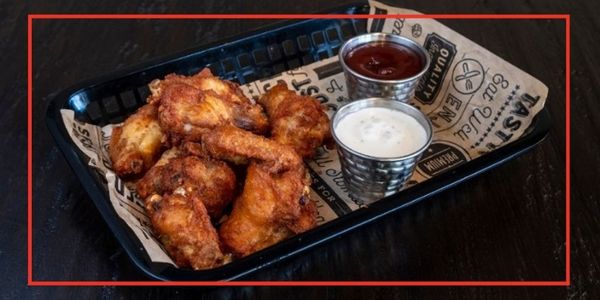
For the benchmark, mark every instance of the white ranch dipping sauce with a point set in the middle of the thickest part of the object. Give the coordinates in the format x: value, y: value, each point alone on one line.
x: 381, y: 132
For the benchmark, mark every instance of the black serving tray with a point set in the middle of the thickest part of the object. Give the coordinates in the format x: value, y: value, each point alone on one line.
x: 256, y: 55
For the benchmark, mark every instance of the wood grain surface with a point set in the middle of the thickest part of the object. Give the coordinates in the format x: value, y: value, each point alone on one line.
x: 508, y: 224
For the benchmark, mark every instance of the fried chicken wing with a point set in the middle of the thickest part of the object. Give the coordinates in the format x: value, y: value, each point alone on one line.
x: 136, y: 145
x: 204, y: 81
x: 192, y: 106
x: 271, y: 208
x: 149, y: 184
x: 297, y: 121
x: 236, y: 145
x: 207, y: 179
x: 187, y: 189
x: 183, y: 226
x: 275, y: 201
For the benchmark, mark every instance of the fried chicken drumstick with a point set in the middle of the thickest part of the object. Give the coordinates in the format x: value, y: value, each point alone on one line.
x: 136, y: 145
x: 275, y: 201
x: 296, y: 121
x: 194, y: 105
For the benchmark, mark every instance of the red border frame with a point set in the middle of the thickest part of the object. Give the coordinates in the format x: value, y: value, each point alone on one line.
x: 31, y: 282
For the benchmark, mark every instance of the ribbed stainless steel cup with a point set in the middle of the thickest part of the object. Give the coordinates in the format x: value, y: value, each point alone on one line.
x: 360, y: 86
x: 371, y: 178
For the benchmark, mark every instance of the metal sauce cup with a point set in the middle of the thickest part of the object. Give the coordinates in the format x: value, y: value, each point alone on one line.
x: 360, y: 86
x: 371, y: 178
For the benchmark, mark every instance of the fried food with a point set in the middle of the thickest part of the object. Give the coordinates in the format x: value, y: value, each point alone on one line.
x: 275, y: 201
x: 211, y: 181
x: 183, y: 226
x: 136, y: 145
x: 182, y: 193
x: 271, y: 208
x: 209, y: 121
x: 296, y: 121
x: 236, y: 145
x: 192, y: 106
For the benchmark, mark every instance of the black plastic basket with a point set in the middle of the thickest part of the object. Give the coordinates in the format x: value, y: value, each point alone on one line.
x: 111, y: 98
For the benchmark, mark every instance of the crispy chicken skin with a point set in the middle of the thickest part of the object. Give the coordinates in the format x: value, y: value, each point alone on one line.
x: 208, y: 121
x: 272, y: 207
x: 204, y: 81
x: 203, y: 178
x: 236, y: 145
x: 296, y: 121
x: 192, y: 106
x: 183, y: 226
x: 274, y: 203
x: 136, y: 145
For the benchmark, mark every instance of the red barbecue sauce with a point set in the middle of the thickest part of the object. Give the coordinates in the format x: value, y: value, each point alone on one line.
x: 383, y: 60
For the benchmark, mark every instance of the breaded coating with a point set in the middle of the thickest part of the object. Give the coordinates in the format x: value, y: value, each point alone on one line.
x: 136, y: 145
x: 207, y: 179
x: 192, y: 106
x: 184, y: 228
x: 296, y: 121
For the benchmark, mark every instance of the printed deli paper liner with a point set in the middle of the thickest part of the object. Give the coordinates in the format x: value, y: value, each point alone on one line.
x: 476, y: 101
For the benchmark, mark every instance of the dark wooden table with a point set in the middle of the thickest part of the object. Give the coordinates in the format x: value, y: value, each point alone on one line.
x: 508, y: 224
